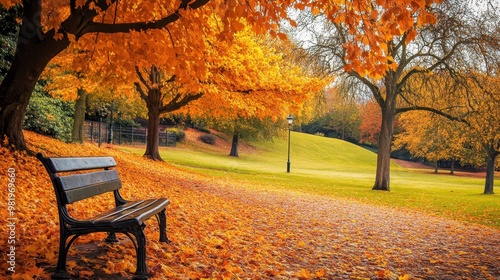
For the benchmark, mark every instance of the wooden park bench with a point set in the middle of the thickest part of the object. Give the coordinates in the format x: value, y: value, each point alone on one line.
x: 127, y: 217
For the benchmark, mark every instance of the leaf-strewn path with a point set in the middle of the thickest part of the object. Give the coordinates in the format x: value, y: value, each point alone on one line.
x: 223, y: 230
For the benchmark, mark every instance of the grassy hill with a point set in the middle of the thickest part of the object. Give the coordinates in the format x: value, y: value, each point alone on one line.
x: 334, y: 167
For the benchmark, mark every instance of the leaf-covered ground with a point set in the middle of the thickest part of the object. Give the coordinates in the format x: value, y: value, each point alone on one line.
x: 223, y: 230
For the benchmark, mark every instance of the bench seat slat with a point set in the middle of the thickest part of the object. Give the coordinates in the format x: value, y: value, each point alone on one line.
x: 68, y: 164
x: 131, y: 213
x: 80, y: 186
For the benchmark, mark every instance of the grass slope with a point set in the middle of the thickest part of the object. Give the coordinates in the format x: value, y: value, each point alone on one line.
x: 333, y: 167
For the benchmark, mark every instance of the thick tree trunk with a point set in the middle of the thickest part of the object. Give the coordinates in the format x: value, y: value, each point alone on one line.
x: 15, y: 93
x: 79, y: 118
x: 33, y: 53
x: 436, y: 166
x: 490, y: 172
x: 152, y: 150
x: 452, y: 168
x: 234, y: 145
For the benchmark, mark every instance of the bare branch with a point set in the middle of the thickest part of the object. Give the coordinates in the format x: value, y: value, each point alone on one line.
x: 433, y: 110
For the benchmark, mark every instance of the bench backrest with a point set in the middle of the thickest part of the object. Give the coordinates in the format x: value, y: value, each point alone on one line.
x: 75, y: 187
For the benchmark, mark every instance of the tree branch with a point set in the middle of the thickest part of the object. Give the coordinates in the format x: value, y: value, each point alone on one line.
x: 176, y: 104
x: 433, y: 110
x: 145, y: 25
x: 141, y: 91
x: 373, y: 88
x: 141, y: 78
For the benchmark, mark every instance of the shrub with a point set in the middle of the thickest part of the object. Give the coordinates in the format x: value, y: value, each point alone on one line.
x: 179, y: 133
x: 208, y: 138
x: 49, y: 116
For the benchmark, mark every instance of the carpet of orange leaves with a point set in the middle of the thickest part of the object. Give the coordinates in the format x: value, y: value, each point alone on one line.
x: 223, y: 230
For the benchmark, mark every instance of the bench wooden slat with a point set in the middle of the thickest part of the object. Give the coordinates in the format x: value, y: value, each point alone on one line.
x: 135, y: 212
x: 68, y: 164
x: 81, y: 186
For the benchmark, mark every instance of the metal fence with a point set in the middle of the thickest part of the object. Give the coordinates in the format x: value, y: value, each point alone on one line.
x: 101, y: 132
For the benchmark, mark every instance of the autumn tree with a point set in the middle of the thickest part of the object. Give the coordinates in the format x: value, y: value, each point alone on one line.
x: 411, y: 40
x: 67, y: 80
x: 341, y: 115
x: 246, y: 128
x: 162, y: 95
x: 252, y: 87
x: 472, y: 138
x: 433, y: 137
x: 485, y: 120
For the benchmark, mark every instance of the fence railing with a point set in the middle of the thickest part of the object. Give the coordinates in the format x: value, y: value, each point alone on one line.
x: 101, y: 132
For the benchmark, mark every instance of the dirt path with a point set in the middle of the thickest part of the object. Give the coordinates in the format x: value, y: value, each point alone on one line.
x: 349, y: 240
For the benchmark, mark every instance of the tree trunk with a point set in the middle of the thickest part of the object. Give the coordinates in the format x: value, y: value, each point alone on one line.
x: 234, y: 145
x: 154, y: 102
x: 436, y: 166
x: 490, y: 172
x: 452, y: 168
x: 152, y: 150
x: 15, y: 93
x: 33, y: 53
x: 382, y: 177
x: 79, y: 118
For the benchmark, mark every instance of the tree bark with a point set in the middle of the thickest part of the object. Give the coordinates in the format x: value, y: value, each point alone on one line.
x: 152, y: 150
x: 79, y: 118
x: 34, y: 50
x: 452, y: 168
x: 383, y: 173
x: 382, y: 178
x: 234, y: 145
x: 15, y: 91
x: 490, y: 171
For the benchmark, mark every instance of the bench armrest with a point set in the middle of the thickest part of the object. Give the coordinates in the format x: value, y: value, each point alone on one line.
x: 119, y: 200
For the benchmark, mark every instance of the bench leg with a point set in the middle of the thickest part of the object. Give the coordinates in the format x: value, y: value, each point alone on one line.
x: 162, y: 223
x: 142, y: 269
x: 111, y: 238
x: 61, y: 272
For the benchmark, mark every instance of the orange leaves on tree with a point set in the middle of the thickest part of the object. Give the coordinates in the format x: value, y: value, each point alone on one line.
x: 370, y: 26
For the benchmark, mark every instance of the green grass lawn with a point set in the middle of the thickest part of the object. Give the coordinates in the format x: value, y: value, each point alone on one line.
x: 337, y: 168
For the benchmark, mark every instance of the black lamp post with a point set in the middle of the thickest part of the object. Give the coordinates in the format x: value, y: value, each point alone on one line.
x: 290, y: 120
